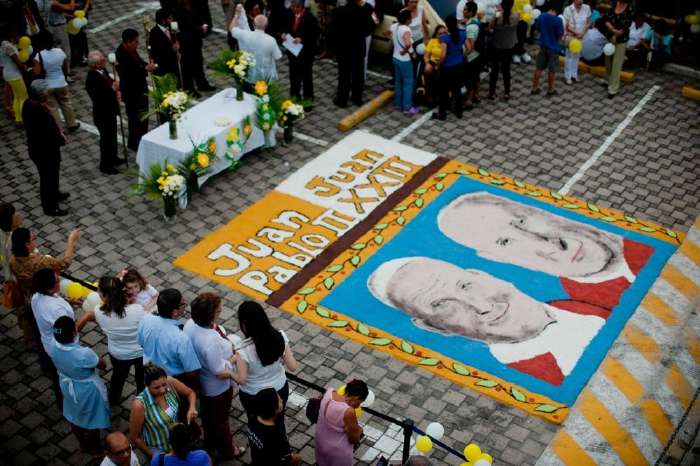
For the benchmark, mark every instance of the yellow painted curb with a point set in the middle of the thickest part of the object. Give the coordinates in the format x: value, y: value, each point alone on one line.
x: 366, y: 111
x: 625, y: 76
x: 691, y: 93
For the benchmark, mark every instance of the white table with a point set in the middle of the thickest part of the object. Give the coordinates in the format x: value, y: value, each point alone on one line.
x: 198, y: 125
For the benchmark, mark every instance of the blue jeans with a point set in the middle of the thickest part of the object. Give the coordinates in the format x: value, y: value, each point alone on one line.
x: 403, y: 84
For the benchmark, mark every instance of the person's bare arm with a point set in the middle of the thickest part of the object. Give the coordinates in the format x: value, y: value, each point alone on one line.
x: 240, y: 375
x: 15, y: 58
x: 289, y: 360
x: 444, y: 52
x: 89, y: 316
x: 184, y: 390
x: 136, y: 419
x: 70, y: 246
x: 352, y: 428
x: 62, y: 7
x: 236, y: 17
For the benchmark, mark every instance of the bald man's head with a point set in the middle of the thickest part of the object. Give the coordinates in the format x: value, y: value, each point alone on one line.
x: 118, y: 448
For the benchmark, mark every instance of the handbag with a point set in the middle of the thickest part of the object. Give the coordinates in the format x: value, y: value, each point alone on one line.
x: 11, y: 295
x: 313, y: 408
x: 42, y: 72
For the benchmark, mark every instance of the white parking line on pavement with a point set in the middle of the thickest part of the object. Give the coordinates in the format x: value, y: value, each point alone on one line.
x: 93, y: 130
x: 608, y: 141
x: 413, y: 126
x: 149, y: 6
x: 311, y: 139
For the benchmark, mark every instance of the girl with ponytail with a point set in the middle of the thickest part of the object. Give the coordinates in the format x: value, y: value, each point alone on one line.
x: 119, y: 321
x: 264, y: 355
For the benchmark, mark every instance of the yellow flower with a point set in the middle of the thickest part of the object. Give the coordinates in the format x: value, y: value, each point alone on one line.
x: 246, y: 130
x: 266, y: 126
x: 284, y: 118
x: 203, y: 160
x: 171, y: 168
x: 232, y: 134
x: 231, y: 63
x: 193, y: 167
x: 212, y: 146
x: 261, y: 88
x: 286, y: 104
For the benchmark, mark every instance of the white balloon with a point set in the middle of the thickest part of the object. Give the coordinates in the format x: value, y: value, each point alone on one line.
x: 420, y: 49
x: 527, y: 8
x: 435, y: 430
x: 695, y: 28
x: 539, y: 2
x: 369, y: 401
x: 482, y: 463
x: 91, y: 301
x: 609, y: 49
x: 64, y: 287
x: 536, y: 13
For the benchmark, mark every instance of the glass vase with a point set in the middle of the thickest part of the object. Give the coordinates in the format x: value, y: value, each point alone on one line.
x: 267, y: 139
x: 289, y: 132
x: 172, y: 129
x: 169, y: 207
x: 192, y: 184
x: 239, y: 91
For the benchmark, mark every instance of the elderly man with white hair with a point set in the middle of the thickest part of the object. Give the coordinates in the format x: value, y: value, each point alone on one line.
x: 104, y: 93
x: 263, y: 46
x: 44, y: 141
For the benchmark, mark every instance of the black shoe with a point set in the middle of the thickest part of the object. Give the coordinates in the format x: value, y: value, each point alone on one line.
x: 359, y: 103
x: 437, y: 116
x: 63, y: 196
x: 610, y: 96
x: 119, y: 161
x: 195, y: 94
x: 110, y: 171
x: 74, y: 128
x: 56, y: 212
x: 340, y: 104
x: 206, y: 87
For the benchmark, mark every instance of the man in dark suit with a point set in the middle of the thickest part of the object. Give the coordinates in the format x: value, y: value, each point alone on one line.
x: 104, y: 93
x: 351, y: 25
x: 303, y: 27
x: 164, y: 47
x: 192, y: 30
x: 44, y: 141
x: 133, y: 85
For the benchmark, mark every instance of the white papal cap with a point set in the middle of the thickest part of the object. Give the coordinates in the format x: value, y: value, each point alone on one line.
x: 378, y: 281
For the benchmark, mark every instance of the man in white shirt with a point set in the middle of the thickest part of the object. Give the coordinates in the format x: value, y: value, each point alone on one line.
x: 118, y: 451
x: 47, y: 307
x: 263, y: 47
x: 638, y: 43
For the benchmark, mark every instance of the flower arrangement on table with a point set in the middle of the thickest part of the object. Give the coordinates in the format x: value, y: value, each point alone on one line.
x: 197, y: 163
x: 236, y: 64
x: 236, y: 139
x: 162, y: 182
x: 169, y: 101
x: 269, y: 107
x: 291, y: 112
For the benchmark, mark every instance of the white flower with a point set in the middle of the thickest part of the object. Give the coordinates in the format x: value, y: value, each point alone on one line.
x: 266, y: 98
x: 266, y: 116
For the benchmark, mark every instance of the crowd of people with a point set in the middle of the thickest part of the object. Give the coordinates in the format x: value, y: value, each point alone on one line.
x: 442, y: 68
x: 185, y: 374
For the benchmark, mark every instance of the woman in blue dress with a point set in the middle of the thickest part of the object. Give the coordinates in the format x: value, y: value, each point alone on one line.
x: 84, y: 394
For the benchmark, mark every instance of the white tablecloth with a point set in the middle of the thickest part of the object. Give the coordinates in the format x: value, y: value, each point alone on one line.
x: 198, y: 125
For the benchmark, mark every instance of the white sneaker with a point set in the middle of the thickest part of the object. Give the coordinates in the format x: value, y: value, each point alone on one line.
x: 568, y: 81
x: 516, y: 59
x: 526, y: 58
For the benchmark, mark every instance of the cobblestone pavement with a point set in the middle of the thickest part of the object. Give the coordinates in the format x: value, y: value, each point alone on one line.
x: 650, y: 171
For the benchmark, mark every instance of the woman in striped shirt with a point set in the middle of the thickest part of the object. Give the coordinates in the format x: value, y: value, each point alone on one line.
x: 155, y: 410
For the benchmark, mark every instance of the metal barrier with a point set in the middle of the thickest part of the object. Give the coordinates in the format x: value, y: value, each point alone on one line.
x: 407, y: 425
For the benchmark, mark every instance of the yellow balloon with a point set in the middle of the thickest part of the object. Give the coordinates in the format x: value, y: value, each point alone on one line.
x: 527, y: 17
x: 472, y: 452
x: 74, y: 291
x: 72, y: 30
x: 575, y: 46
x: 23, y: 55
x: 24, y: 42
x: 424, y: 444
x: 486, y: 457
x: 358, y: 412
x: 86, y: 291
x: 692, y: 19
x: 79, y: 13
x: 341, y: 390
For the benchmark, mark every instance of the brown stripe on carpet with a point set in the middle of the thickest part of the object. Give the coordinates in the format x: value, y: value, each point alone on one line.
x: 331, y: 252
